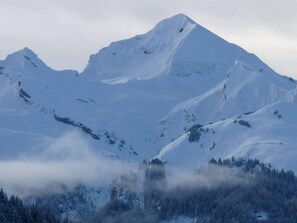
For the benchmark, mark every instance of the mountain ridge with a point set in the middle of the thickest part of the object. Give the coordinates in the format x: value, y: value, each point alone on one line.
x: 140, y: 95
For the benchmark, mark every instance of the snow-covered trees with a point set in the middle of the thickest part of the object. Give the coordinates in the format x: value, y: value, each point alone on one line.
x: 154, y: 184
x: 265, y: 194
x: 13, y: 210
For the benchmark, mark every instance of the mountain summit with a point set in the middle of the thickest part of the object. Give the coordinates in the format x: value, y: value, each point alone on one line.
x: 25, y: 61
x: 175, y: 46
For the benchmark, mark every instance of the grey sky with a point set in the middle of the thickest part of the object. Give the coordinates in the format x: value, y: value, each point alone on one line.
x: 65, y: 32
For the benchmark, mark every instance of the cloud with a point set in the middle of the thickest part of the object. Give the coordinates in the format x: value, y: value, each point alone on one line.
x: 62, y: 163
x: 58, y: 164
x: 207, y: 177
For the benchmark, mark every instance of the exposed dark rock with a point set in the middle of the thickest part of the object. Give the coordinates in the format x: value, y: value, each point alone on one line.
x: 195, y: 133
x: 82, y: 100
x: 213, y: 146
x: 25, y: 96
x: 244, y: 123
x: 64, y: 120
x: 28, y: 58
x: 84, y: 128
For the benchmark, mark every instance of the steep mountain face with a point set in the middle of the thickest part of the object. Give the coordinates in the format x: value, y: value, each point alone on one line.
x: 150, y: 95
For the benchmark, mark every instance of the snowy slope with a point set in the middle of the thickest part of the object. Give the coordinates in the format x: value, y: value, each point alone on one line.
x: 140, y: 95
x: 245, y: 90
x: 269, y: 134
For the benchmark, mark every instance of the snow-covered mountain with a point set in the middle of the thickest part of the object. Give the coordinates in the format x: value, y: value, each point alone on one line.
x: 150, y: 96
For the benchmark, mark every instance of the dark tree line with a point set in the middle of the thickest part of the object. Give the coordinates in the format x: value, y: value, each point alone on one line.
x: 13, y: 210
x: 262, y: 193
x: 270, y: 191
x: 269, y: 195
x: 124, y: 206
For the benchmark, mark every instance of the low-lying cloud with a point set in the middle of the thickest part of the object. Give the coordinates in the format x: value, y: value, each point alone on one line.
x: 62, y: 163
x: 59, y: 164
x: 208, y: 177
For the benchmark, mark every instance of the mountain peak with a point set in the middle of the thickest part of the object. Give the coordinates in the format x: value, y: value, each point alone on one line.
x: 23, y: 53
x: 181, y: 15
x: 177, y: 23
x: 28, y: 52
x: 176, y: 46
x: 143, y: 56
x: 178, y: 18
x: 25, y: 61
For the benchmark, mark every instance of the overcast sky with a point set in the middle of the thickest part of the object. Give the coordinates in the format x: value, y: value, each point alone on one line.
x: 65, y: 32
